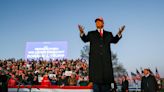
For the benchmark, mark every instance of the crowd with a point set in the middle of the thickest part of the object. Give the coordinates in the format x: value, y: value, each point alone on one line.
x: 54, y: 72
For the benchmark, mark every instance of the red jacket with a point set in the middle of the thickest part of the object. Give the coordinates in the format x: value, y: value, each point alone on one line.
x: 11, y: 82
x: 45, y: 81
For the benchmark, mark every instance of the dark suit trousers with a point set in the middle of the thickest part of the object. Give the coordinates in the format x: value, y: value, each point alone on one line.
x: 101, y: 87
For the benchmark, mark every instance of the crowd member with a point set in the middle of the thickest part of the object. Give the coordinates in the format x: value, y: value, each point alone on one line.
x: 3, y: 80
x: 62, y: 80
x: 125, y: 84
x: 82, y: 81
x: 72, y: 81
x: 45, y: 81
x: 12, y: 81
x: 148, y: 82
x: 54, y: 81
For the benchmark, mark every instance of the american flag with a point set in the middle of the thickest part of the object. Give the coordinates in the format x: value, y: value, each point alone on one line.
x: 157, y: 74
x: 138, y: 76
x: 133, y: 75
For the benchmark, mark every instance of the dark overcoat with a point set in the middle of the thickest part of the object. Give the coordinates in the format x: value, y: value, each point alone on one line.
x: 100, y: 62
x: 149, y: 84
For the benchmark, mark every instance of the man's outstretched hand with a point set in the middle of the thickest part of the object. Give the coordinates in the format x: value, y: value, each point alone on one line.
x: 81, y: 29
x: 121, y: 30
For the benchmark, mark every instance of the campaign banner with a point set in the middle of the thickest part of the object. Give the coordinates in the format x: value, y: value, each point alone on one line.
x: 46, y: 50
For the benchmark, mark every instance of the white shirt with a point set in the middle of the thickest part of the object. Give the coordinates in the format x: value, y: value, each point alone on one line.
x: 100, y: 30
x: 147, y: 75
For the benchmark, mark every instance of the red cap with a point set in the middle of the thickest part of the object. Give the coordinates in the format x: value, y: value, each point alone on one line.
x: 100, y: 18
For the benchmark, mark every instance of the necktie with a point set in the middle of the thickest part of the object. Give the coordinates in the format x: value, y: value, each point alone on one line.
x: 101, y: 32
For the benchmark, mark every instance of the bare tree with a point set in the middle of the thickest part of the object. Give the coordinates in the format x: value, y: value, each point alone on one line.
x: 85, y: 52
x: 118, y: 68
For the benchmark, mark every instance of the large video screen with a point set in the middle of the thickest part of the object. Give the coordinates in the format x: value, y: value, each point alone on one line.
x: 46, y: 50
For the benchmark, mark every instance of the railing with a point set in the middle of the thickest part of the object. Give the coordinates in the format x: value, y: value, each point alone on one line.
x: 39, y: 88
